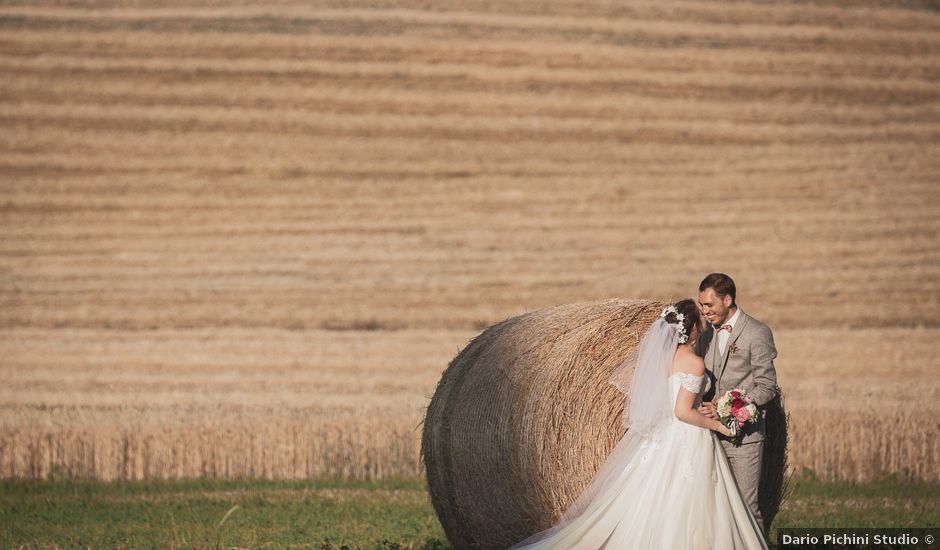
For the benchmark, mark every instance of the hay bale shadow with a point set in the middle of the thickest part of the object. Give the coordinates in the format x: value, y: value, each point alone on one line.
x: 773, y: 483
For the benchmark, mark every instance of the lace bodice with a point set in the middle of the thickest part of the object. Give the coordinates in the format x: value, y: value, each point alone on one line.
x: 692, y: 382
x: 686, y: 432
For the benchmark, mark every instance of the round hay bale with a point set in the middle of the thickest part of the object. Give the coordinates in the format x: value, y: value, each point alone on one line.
x: 524, y: 416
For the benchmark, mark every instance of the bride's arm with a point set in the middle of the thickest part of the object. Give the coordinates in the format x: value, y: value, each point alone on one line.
x: 685, y: 400
x: 686, y: 413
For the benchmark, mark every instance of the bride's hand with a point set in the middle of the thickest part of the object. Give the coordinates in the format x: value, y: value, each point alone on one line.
x: 708, y: 409
x: 725, y: 430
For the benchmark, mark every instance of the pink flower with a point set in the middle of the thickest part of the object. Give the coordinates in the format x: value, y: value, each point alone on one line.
x: 742, y: 415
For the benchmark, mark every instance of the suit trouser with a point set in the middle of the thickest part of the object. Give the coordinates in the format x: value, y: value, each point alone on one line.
x: 745, y: 461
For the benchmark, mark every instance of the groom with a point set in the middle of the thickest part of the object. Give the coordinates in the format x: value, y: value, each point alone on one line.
x: 739, y: 352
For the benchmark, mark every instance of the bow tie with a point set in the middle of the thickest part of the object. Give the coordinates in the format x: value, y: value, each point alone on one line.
x: 725, y: 327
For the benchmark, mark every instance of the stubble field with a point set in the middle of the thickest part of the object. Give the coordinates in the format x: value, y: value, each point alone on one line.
x: 244, y: 241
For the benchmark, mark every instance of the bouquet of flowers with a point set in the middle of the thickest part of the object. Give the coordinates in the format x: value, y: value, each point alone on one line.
x: 736, y: 408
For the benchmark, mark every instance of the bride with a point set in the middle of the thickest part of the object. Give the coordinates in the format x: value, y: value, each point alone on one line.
x: 667, y: 483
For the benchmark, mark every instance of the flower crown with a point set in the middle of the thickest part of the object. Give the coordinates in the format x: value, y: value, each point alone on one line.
x: 683, y: 337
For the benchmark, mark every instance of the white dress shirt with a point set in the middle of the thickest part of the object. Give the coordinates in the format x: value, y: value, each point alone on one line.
x: 724, y: 334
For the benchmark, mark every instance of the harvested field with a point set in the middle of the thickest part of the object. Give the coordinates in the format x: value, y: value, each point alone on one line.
x: 244, y: 241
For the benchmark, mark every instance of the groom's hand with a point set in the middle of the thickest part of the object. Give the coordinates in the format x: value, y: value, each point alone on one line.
x: 708, y: 409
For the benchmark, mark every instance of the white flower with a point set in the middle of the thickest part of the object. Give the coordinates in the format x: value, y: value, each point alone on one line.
x: 724, y: 405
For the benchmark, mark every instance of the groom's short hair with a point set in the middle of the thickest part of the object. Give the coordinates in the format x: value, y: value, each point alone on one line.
x: 723, y: 285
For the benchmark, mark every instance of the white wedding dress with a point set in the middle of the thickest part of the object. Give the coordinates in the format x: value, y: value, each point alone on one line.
x: 671, y: 488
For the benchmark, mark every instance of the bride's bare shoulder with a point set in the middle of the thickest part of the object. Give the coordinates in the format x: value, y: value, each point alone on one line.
x: 687, y: 361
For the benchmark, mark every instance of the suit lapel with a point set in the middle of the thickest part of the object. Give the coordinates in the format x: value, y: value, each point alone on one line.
x: 708, y: 349
x: 737, y: 331
x: 713, y: 352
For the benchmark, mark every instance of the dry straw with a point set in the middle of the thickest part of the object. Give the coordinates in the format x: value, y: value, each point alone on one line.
x: 523, y: 417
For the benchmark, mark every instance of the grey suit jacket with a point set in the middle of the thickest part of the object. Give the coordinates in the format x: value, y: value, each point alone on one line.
x: 748, y: 363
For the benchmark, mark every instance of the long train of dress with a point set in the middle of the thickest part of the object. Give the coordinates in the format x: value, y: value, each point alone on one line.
x: 671, y: 490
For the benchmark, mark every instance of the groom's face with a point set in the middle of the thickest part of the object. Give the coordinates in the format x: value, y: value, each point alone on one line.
x: 716, y: 308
